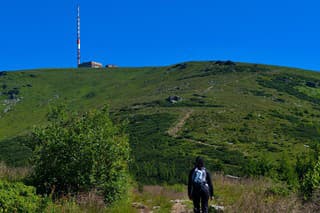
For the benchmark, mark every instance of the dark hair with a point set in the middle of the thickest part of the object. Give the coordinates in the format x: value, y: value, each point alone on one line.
x: 199, y: 162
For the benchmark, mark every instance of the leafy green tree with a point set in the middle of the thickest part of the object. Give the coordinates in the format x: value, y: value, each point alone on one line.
x: 80, y: 153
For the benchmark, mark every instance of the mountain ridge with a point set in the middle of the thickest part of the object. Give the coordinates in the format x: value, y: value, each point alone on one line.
x: 242, y: 111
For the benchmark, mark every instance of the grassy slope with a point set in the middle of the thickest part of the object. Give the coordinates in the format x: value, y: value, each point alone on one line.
x: 237, y: 111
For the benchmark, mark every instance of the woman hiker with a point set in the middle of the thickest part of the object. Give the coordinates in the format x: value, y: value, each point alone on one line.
x: 200, y: 187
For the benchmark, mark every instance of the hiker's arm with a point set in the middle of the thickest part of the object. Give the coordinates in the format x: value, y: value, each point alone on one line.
x: 209, y: 181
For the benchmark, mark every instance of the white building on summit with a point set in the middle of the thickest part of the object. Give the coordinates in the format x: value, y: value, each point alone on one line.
x: 91, y: 64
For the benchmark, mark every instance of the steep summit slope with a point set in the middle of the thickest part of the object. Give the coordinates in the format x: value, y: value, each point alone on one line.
x: 229, y: 113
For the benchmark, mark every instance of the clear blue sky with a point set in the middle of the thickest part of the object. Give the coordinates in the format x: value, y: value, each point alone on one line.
x: 42, y: 34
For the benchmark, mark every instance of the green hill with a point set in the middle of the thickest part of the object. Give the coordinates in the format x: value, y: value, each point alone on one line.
x: 229, y: 113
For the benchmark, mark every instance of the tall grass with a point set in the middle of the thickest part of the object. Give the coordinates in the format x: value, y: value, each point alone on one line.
x: 159, y: 198
x: 90, y: 202
x: 257, y: 195
x: 13, y: 174
x: 122, y: 206
x: 63, y: 206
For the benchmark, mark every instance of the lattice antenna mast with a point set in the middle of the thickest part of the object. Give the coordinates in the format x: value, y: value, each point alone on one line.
x: 78, y: 36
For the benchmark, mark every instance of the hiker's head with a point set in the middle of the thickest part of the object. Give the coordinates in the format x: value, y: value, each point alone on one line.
x: 199, y: 162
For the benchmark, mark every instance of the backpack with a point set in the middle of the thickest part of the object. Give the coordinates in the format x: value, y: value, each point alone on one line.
x: 199, y: 176
x: 199, y: 179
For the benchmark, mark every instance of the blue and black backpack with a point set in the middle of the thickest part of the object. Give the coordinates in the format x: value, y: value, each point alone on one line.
x: 199, y: 179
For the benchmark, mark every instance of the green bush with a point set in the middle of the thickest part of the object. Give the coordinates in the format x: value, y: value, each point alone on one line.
x: 79, y: 153
x: 311, y: 181
x: 279, y: 189
x: 286, y: 172
x: 17, y: 197
x: 258, y: 167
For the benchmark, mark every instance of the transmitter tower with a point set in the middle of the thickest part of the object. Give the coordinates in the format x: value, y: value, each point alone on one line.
x: 78, y: 36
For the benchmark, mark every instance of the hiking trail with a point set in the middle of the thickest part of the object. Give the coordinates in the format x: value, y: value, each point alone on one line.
x: 179, y: 207
x: 173, y: 131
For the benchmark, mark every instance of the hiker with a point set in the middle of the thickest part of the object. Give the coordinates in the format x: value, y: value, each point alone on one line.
x: 200, y: 187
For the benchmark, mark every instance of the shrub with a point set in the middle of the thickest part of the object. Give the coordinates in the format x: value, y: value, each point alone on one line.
x: 90, y: 95
x: 286, y: 172
x: 80, y: 153
x: 17, y: 197
x: 311, y: 181
x: 303, y: 164
x: 258, y: 167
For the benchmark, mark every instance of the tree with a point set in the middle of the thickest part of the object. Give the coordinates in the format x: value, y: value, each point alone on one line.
x: 80, y: 153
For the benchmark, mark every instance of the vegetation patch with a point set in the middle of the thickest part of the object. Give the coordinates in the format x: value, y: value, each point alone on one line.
x: 3, y: 73
x: 309, y: 91
x: 242, y: 114
x: 15, y: 151
x: 157, y: 156
x: 17, y: 197
x: 215, y: 68
x: 90, y: 95
x: 291, y: 84
x: 81, y: 153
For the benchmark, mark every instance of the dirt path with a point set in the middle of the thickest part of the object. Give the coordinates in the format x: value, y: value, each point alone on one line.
x: 207, y: 90
x: 173, y: 131
x: 179, y: 207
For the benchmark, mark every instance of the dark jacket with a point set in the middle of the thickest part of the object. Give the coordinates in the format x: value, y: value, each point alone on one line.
x: 191, y: 184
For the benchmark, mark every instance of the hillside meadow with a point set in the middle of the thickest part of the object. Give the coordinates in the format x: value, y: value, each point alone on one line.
x: 243, y: 119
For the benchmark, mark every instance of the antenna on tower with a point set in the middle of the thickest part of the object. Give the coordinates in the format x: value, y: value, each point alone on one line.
x: 78, y: 36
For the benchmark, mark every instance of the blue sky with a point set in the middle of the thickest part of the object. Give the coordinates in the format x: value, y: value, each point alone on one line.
x: 42, y: 34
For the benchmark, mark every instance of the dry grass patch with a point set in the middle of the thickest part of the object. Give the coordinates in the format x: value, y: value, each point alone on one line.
x: 257, y: 195
x: 13, y: 174
x: 159, y: 198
